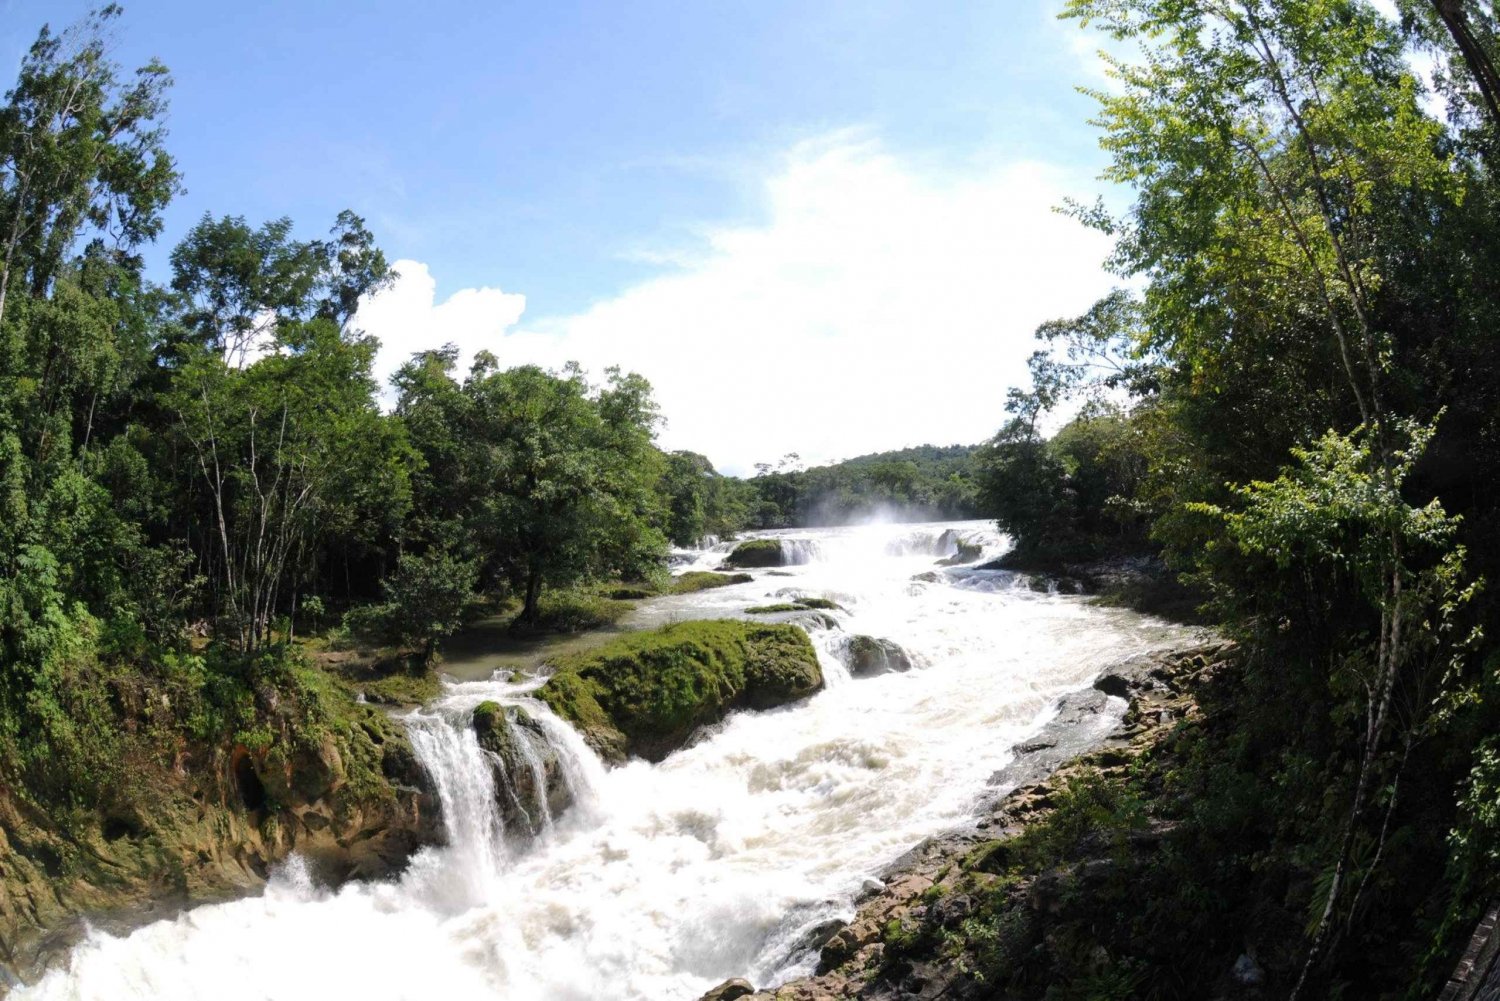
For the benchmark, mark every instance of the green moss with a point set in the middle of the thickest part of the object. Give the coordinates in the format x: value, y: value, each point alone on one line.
x: 822, y: 603
x: 756, y: 553
x: 702, y: 580
x: 645, y: 693
x: 795, y: 605
x: 403, y: 688
x: 488, y: 716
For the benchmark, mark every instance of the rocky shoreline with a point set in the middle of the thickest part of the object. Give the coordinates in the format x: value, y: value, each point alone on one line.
x: 1129, y: 707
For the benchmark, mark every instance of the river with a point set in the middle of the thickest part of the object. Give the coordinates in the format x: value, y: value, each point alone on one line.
x: 664, y: 880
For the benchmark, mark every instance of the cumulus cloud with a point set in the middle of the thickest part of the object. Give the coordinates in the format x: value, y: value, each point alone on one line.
x: 407, y: 318
x: 882, y: 302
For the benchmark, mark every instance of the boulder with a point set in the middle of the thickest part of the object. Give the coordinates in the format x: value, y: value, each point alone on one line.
x: 729, y: 990
x: 757, y: 553
x: 867, y: 656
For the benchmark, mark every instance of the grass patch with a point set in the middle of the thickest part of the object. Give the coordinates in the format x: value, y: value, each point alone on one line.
x: 645, y: 693
x: 784, y: 606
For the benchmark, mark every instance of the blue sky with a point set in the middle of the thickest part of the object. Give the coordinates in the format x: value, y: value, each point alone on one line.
x: 625, y: 166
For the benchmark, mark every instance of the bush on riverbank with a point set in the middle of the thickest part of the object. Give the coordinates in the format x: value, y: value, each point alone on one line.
x: 645, y: 693
x: 573, y: 611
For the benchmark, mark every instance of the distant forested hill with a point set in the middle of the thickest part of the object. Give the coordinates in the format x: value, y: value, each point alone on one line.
x: 915, y: 484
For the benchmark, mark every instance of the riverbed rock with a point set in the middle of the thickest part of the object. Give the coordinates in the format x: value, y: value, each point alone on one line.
x: 868, y: 656
x: 757, y: 553
x: 964, y: 551
x: 730, y: 990
x: 530, y: 787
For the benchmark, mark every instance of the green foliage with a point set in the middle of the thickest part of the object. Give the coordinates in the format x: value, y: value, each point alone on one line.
x: 573, y: 611
x: 426, y: 599
x: 926, y: 482
x: 1072, y: 496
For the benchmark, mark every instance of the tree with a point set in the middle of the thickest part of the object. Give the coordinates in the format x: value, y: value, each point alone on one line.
x: 425, y: 600
x: 568, y: 474
x: 1280, y: 157
x: 78, y: 149
x: 284, y: 449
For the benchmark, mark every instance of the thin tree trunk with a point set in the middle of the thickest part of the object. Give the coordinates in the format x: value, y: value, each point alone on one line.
x: 1481, y: 67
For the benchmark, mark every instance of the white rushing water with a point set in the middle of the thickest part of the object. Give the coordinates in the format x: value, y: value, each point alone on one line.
x: 664, y: 880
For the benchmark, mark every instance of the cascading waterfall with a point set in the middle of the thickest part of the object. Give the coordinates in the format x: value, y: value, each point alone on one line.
x: 464, y: 777
x: 660, y: 881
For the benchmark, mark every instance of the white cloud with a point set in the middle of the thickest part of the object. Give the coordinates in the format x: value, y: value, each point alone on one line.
x: 880, y: 304
x: 408, y: 318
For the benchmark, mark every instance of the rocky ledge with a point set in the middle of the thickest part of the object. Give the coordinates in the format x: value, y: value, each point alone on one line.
x: 1098, y: 729
x: 207, y: 825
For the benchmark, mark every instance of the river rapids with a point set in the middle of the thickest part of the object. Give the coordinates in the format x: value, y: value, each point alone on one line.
x: 661, y: 881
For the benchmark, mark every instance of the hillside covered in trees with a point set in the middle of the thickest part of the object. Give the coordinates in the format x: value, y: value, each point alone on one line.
x: 924, y: 483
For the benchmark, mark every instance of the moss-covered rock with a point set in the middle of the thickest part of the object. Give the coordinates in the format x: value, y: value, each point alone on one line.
x: 644, y: 694
x: 966, y: 552
x: 201, y: 818
x: 757, y: 553
x: 795, y: 605
x: 631, y: 593
x: 867, y: 656
x: 702, y: 580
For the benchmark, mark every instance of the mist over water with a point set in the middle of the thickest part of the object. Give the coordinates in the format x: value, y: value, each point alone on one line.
x: 661, y: 881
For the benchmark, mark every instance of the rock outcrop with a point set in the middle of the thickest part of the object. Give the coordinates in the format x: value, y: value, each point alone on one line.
x: 529, y: 784
x: 209, y: 824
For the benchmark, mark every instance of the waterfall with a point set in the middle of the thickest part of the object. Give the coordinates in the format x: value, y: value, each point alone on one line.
x: 660, y: 881
x: 795, y: 552
x: 460, y: 769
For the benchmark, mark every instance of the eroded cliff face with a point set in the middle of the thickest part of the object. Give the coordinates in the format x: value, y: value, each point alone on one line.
x: 206, y: 822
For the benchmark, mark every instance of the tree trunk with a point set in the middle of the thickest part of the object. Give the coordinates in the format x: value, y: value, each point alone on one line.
x: 1481, y: 66
x: 530, y: 612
